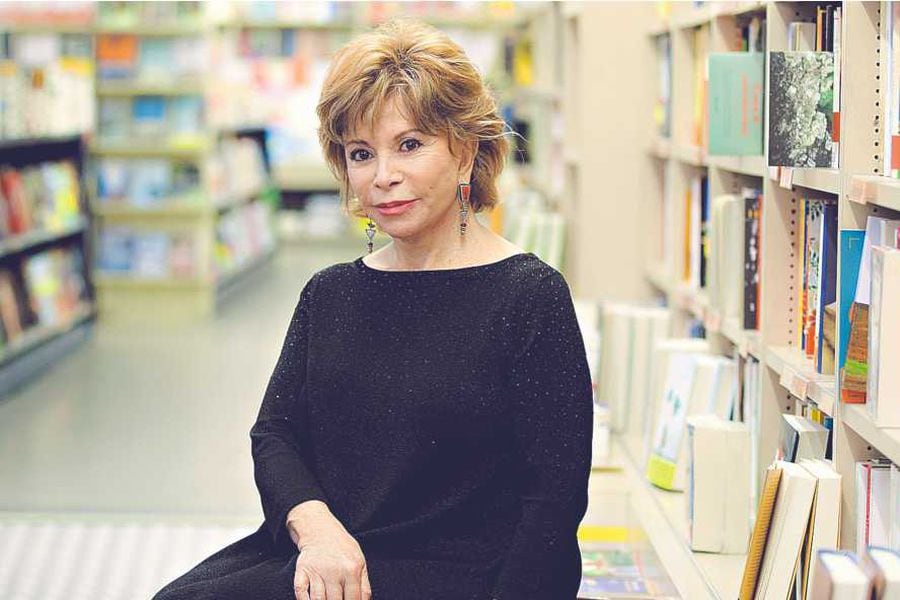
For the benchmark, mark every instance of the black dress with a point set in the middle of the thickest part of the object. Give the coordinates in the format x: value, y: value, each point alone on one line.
x: 445, y: 418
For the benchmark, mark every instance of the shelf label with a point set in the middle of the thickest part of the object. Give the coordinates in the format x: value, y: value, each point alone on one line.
x: 794, y: 382
x: 787, y: 178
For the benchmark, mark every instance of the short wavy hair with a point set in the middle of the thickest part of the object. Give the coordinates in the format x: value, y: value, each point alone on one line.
x: 440, y: 87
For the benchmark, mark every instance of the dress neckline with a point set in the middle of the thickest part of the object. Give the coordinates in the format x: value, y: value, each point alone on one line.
x: 469, y: 269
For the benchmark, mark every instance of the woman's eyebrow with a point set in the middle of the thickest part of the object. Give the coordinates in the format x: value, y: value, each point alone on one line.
x: 396, y: 137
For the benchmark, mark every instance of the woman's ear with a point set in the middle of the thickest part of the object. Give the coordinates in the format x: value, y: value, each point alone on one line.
x: 469, y: 150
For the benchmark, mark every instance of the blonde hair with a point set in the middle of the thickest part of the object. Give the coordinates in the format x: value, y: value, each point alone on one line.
x: 439, y: 86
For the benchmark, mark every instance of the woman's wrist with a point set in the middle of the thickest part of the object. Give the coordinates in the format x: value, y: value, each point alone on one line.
x: 305, y: 519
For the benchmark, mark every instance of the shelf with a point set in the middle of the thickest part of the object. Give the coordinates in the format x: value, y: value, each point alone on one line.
x: 659, y: 28
x: 25, y: 241
x: 308, y: 25
x: 111, y: 281
x: 747, y: 341
x: 822, y: 180
x: 886, y: 441
x: 798, y: 375
x: 693, y: 17
x: 304, y: 175
x: 665, y: 518
x: 877, y: 190
x: 736, y: 9
x: 149, y: 89
x: 186, y: 151
x: 161, y: 30
x: 16, y: 143
x: 744, y: 165
x: 41, y: 348
x: 690, y: 155
x: 690, y: 299
x: 823, y: 393
x: 38, y: 335
x: 661, y: 148
x: 60, y: 28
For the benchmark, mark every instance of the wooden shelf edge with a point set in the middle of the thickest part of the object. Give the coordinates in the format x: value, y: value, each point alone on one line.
x: 876, y: 189
x: 744, y: 165
x: 42, y: 334
x: 886, y: 441
x: 23, y: 242
x: 690, y: 155
x: 820, y: 180
x: 798, y: 375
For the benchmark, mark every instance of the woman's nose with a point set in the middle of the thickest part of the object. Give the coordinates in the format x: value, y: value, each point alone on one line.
x: 386, y: 174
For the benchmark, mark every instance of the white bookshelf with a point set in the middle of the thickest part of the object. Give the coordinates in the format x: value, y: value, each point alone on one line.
x: 787, y: 376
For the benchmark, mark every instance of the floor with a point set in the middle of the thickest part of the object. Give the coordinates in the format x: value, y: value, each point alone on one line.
x: 129, y: 461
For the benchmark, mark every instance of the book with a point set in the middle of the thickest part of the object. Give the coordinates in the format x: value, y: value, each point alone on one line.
x: 827, y: 277
x: 788, y: 527
x: 662, y: 353
x: 664, y: 468
x: 824, y: 528
x: 883, y: 378
x: 736, y: 103
x: 851, y: 245
x: 760, y: 536
x: 649, y: 325
x: 894, y: 535
x: 839, y: 576
x: 752, y: 257
x: 802, y: 438
x: 718, y: 485
x: 801, y: 106
x: 725, y: 284
x: 662, y: 110
x: 882, y: 565
x: 873, y: 482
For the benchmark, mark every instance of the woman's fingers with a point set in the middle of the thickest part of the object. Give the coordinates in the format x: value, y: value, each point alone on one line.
x: 365, y: 588
x: 317, y: 588
x: 301, y: 584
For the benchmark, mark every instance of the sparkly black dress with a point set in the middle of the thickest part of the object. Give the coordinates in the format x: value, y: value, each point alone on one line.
x: 444, y: 416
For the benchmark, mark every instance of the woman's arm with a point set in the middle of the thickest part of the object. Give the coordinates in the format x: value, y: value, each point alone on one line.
x: 550, y: 392
x: 283, y: 477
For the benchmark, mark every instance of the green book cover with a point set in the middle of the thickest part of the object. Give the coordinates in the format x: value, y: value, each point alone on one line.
x: 736, y: 103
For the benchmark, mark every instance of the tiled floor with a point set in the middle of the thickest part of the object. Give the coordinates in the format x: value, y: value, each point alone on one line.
x: 137, y: 444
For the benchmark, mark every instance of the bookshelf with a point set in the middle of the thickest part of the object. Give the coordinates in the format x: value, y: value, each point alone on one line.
x: 787, y: 378
x: 33, y: 340
x: 183, y: 200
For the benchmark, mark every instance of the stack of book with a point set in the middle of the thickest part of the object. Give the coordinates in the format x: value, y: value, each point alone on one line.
x: 41, y: 197
x: 46, y: 289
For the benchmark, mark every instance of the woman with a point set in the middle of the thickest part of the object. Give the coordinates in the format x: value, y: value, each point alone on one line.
x: 426, y: 432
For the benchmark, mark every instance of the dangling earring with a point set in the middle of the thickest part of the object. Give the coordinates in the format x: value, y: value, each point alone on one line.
x: 462, y: 195
x: 370, y: 233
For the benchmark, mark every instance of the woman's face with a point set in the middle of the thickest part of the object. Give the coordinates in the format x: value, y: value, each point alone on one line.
x: 395, y: 163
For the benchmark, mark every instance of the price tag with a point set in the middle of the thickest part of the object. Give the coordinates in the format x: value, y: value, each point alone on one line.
x: 787, y: 177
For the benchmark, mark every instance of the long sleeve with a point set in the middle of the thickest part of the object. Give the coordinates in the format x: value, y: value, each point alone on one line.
x: 283, y: 478
x: 552, y: 417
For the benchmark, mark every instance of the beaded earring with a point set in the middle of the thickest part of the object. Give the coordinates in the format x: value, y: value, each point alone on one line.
x: 370, y: 233
x: 462, y: 195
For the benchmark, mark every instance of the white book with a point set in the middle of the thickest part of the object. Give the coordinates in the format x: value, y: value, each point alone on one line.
x: 802, y: 438
x: 840, y: 577
x: 883, y: 382
x: 718, y: 485
x: 826, y: 512
x: 648, y: 326
x: 615, y: 362
x: 880, y: 505
x: 875, y: 229
x: 665, y: 466
x: 787, y: 530
x: 883, y: 567
x: 895, y: 508
x: 662, y: 352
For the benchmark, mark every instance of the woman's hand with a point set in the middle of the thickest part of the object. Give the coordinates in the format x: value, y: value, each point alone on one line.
x: 331, y: 565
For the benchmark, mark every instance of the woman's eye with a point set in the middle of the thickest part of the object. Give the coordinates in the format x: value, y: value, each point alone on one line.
x: 410, y: 144
x: 358, y: 155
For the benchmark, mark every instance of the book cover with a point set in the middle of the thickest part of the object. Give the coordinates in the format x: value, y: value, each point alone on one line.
x: 883, y: 382
x: 736, y: 103
x: 149, y: 116
x: 752, y: 252
x: 851, y: 242
x: 801, y: 105
x: 827, y: 292
x: 663, y: 468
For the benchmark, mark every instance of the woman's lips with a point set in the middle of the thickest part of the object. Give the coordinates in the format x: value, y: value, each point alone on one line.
x: 395, y: 208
